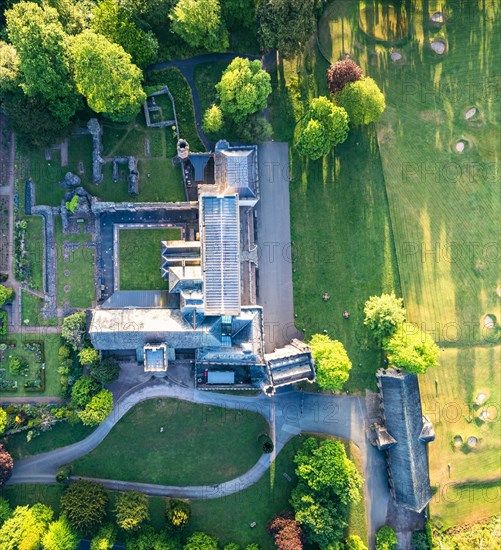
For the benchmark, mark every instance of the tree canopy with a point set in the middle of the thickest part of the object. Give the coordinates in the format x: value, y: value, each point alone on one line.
x: 26, y: 527
x: 131, y: 510
x: 105, y: 75
x: 74, y: 329
x: 84, y: 504
x: 313, y: 141
x: 3, y: 420
x: 328, y: 482
x: 118, y: 25
x: 83, y: 390
x: 243, y: 89
x: 386, y: 538
x: 105, y: 538
x: 88, y: 356
x: 332, y: 362
x: 105, y: 371
x: 384, y: 314
x: 363, y: 100
x: 213, y: 119
x: 147, y: 539
x: 97, y: 409
x: 60, y: 536
x: 201, y: 541
x: 333, y: 118
x: 286, y: 532
x: 354, y: 542
x: 39, y: 40
x: 286, y: 25
x: 6, y: 295
x: 411, y: 349
x: 9, y: 68
x: 342, y: 72
x: 199, y: 23
x: 6, y: 465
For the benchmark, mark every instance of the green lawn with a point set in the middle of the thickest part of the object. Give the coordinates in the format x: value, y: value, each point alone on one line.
x: 31, y: 307
x: 146, y: 274
x: 51, y: 346
x: 198, y: 444
x: 34, y: 248
x: 153, y: 147
x: 21, y: 495
x: 62, y: 434
x: 469, y: 493
x: 79, y: 268
x: 181, y: 92
x: 340, y: 224
x: 228, y: 518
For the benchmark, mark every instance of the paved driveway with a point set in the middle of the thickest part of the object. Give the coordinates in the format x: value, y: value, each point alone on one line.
x: 274, y: 281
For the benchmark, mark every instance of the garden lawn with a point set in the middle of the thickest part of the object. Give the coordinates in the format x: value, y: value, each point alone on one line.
x: 79, y: 269
x: 21, y: 495
x: 471, y: 491
x: 62, y: 434
x: 229, y: 517
x: 143, y: 274
x: 340, y: 224
x: 34, y: 248
x: 183, y: 99
x: 31, y: 307
x: 51, y: 346
x: 198, y: 445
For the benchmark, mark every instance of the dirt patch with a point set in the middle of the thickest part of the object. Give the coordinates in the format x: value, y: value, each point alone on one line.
x: 432, y: 116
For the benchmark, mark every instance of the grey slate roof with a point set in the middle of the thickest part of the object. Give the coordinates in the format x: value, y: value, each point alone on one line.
x: 220, y: 238
x: 140, y: 298
x: 290, y: 364
x: 236, y: 171
x: 407, y: 458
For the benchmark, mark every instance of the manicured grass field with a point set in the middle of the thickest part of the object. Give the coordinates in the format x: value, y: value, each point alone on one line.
x: 51, y: 345
x: 142, y: 272
x: 228, y: 518
x: 34, y: 248
x: 62, y: 434
x: 21, y: 495
x: 341, y: 230
x: 471, y: 491
x: 198, y: 445
x: 31, y: 307
x: 79, y: 268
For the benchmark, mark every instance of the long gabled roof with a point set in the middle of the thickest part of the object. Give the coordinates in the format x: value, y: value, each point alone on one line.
x: 220, y: 239
x: 407, y: 458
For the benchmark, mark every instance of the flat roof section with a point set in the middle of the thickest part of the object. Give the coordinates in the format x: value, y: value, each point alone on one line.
x: 220, y: 238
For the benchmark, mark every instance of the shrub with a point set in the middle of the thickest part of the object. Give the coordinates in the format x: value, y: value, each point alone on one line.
x: 64, y: 473
x: 266, y: 443
x: 363, y: 100
x: 98, y: 408
x: 131, y: 510
x: 213, y: 119
x: 4, y: 323
x: 384, y: 314
x: 6, y: 465
x: 83, y: 391
x: 84, y: 504
x: 178, y: 512
x: 106, y: 371
x: 332, y: 362
x: 201, y: 541
x: 18, y: 365
x: 386, y: 538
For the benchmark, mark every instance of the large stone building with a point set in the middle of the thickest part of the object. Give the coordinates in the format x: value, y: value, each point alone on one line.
x: 209, y: 312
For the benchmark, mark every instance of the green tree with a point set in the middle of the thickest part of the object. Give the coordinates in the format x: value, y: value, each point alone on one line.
x: 118, y: 25
x: 98, y: 408
x: 60, y: 536
x: 3, y: 420
x: 255, y: 129
x: 334, y: 119
x: 9, y: 68
x: 201, y: 541
x: 286, y: 25
x: 73, y: 330
x: 199, y: 24
x: 252, y: 547
x: 84, y: 504
x: 106, y: 77
x: 105, y: 538
x: 25, y: 528
x: 83, y: 390
x: 6, y: 295
x: 332, y: 362
x: 75, y: 15
x: 5, y: 511
x: 354, y: 542
x: 384, y: 314
x: 363, y: 100
x: 39, y: 40
x: 131, y: 510
x: 213, y: 119
x: 313, y: 141
x: 328, y: 482
x: 238, y: 14
x: 178, y: 512
x: 106, y: 371
x: 243, y: 89
x: 147, y: 539
x: 88, y: 356
x: 386, y: 538
x: 232, y: 546
x: 411, y: 349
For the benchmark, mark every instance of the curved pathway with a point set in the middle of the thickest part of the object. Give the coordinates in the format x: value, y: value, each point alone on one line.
x: 187, y: 68
x: 288, y: 415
